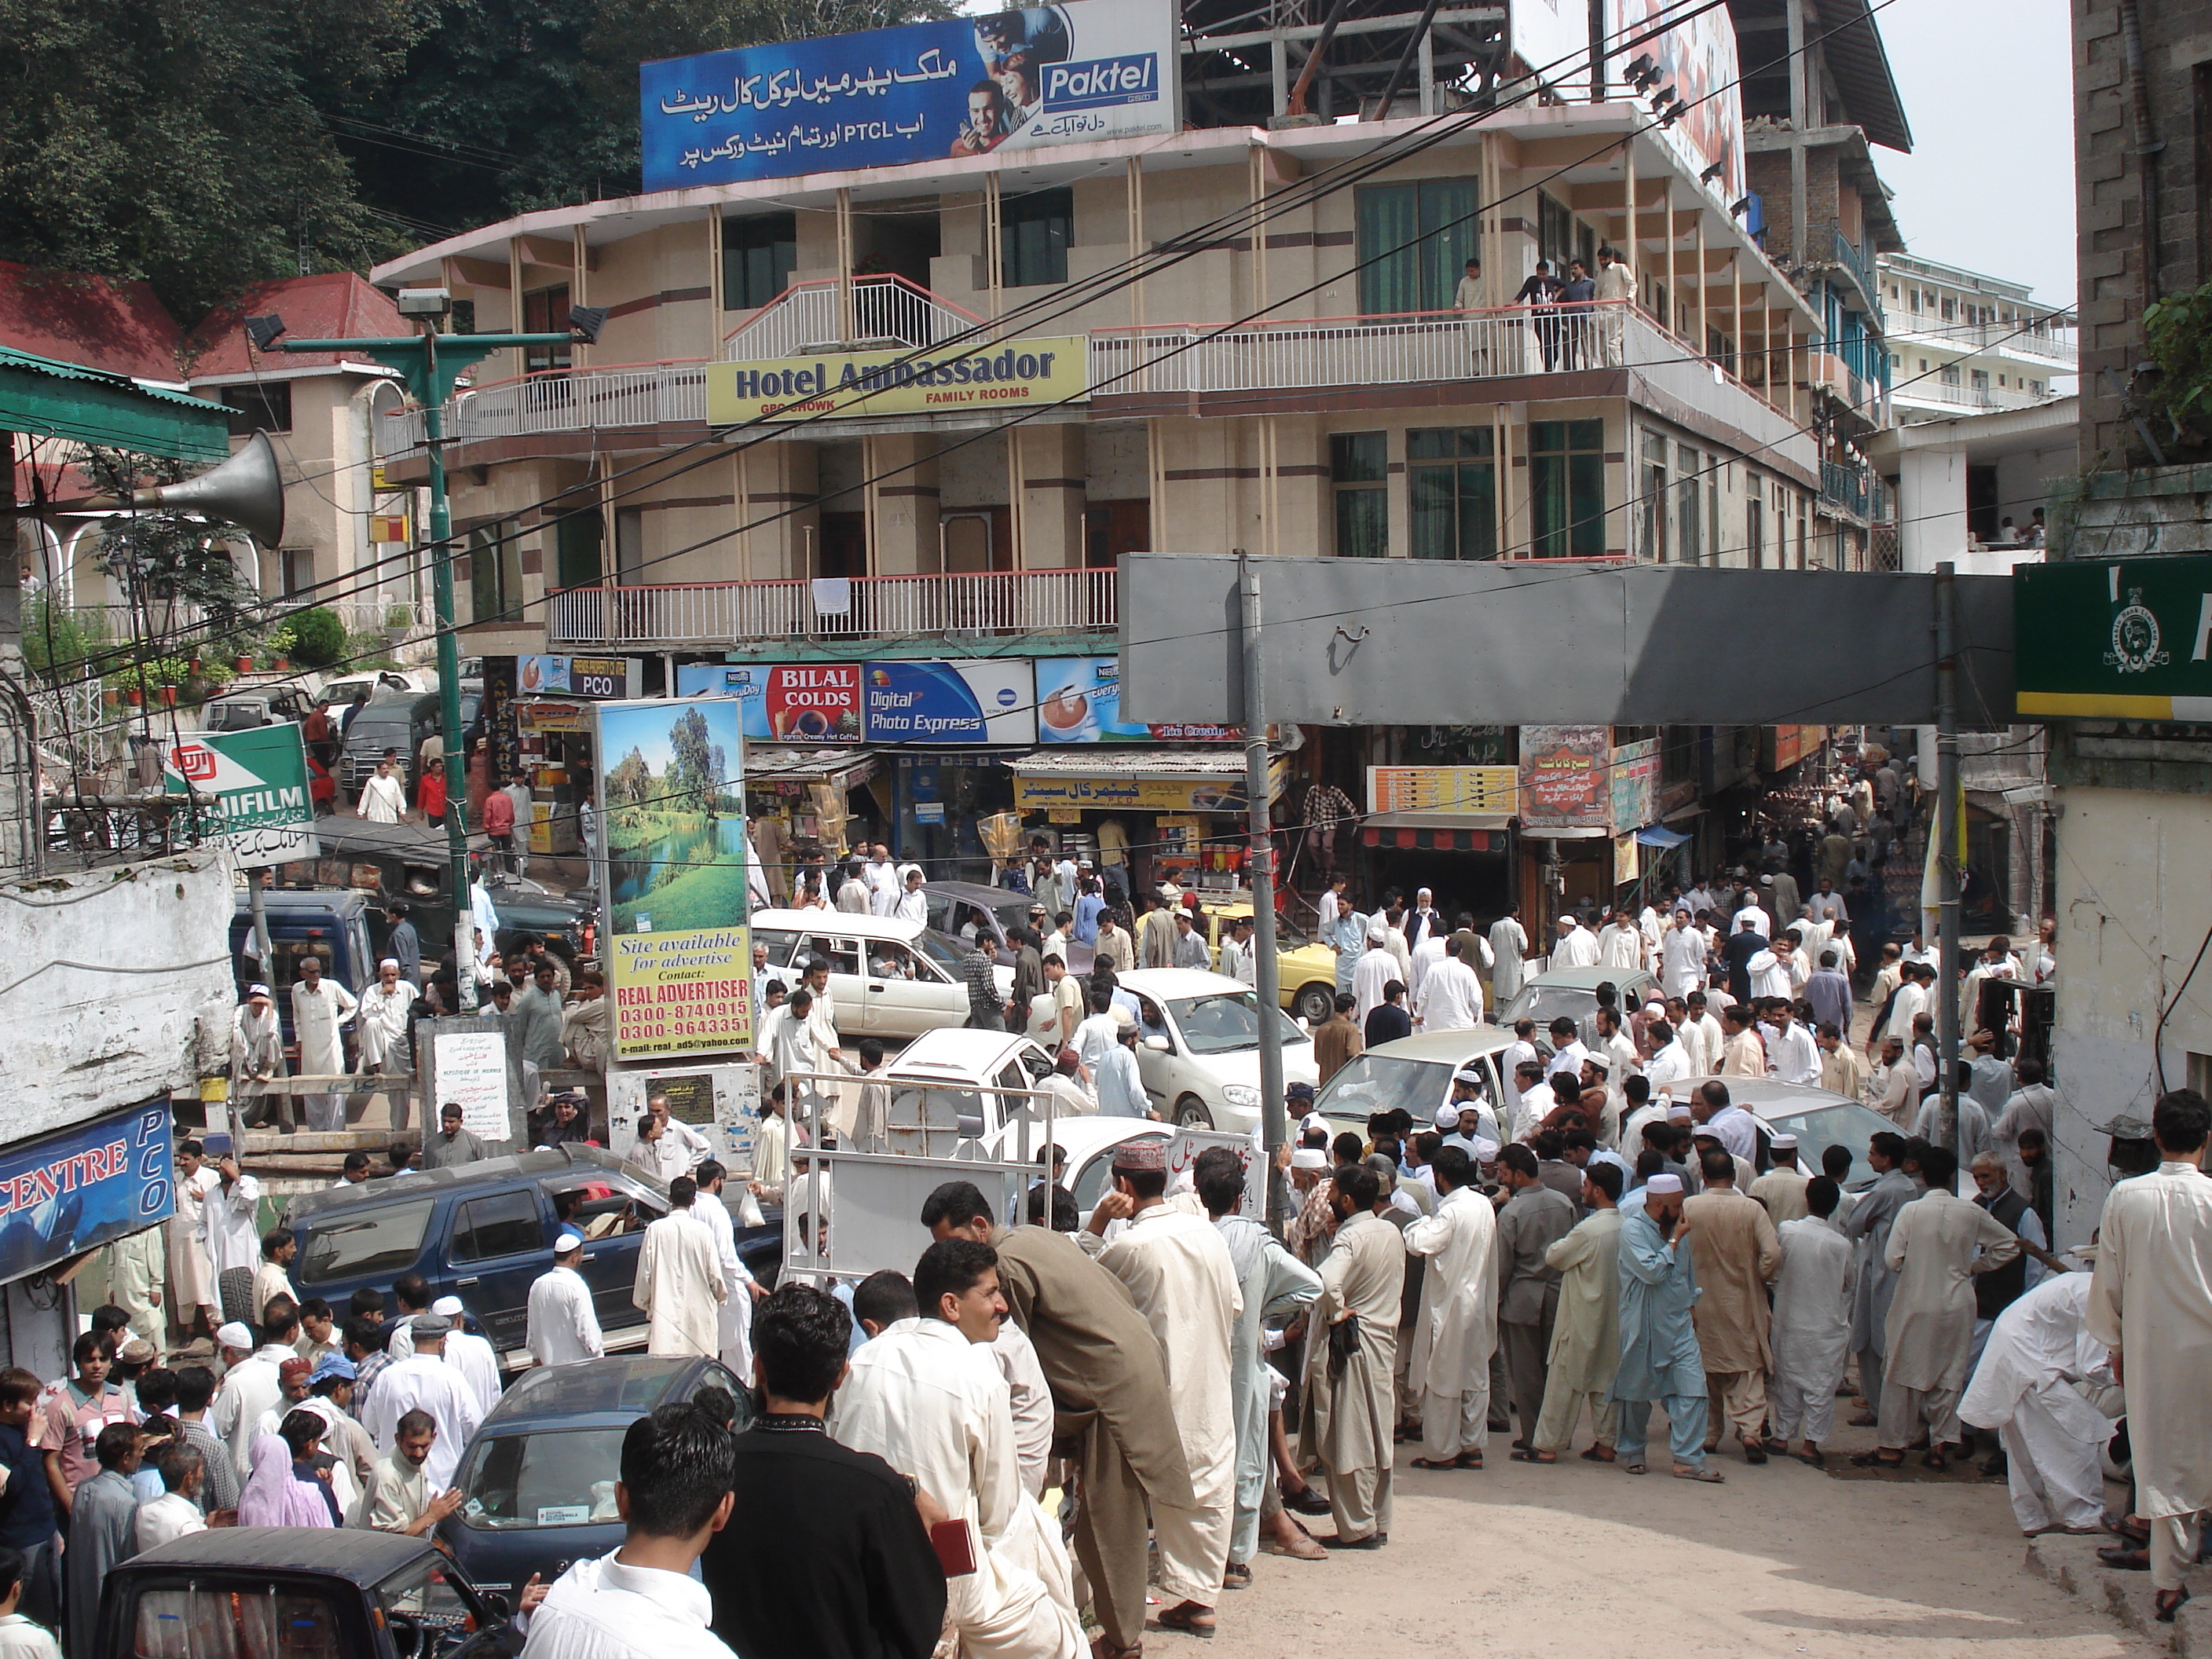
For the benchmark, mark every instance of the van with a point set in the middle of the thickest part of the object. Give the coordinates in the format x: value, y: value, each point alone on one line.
x: 330, y: 924
x: 397, y: 721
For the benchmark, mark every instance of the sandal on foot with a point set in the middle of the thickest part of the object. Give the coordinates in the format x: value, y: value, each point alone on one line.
x: 1467, y: 1460
x: 1874, y: 1460
x: 2166, y: 1603
x: 1599, y: 1454
x: 1536, y: 1457
x: 1755, y: 1451
x: 1709, y: 1477
x: 1182, y: 1618
x: 1636, y: 1468
x: 1818, y: 1460
x: 1440, y: 1463
x: 1934, y: 1459
x: 1236, y: 1576
x: 1775, y: 1444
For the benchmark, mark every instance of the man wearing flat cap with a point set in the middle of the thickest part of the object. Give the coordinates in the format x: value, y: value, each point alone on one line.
x: 424, y: 1383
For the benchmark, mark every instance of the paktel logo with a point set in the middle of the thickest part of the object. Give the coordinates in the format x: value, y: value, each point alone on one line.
x: 2136, y: 639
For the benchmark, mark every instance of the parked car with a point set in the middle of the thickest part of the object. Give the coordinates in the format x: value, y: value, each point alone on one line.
x: 1414, y: 1072
x: 538, y: 1478
x: 948, y: 1081
x: 378, y: 682
x: 413, y: 862
x: 957, y: 906
x: 300, y: 1593
x: 484, y: 1232
x: 888, y: 977
x: 1819, y: 1118
x: 396, y: 720
x: 1305, y: 969
x: 330, y: 924
x: 1199, y: 1053
x: 247, y: 708
x: 1573, y: 992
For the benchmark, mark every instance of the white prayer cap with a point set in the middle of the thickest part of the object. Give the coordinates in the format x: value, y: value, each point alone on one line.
x: 1378, y: 931
x: 1660, y: 1185
x: 1745, y: 920
x: 1123, y: 1019
x: 1470, y: 1075
x: 1447, y: 1117
x: 1678, y: 1114
x: 252, y: 991
x: 1485, y: 1152
x: 389, y: 962
x: 568, y: 1242
x: 1310, y: 1158
x: 1422, y: 892
x: 234, y: 1336
x: 448, y: 1305
x: 1604, y: 1062
x: 1783, y: 1143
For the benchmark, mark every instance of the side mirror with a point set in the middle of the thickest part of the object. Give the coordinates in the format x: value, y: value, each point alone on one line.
x: 1160, y: 1045
x: 498, y: 1603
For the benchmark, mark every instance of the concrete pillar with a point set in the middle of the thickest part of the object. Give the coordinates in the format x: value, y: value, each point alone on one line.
x: 1052, y: 472
x: 902, y: 506
x: 781, y: 500
x: 1931, y: 507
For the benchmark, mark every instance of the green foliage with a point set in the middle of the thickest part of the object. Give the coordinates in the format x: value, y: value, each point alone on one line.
x: 695, y: 768
x: 629, y: 781
x: 319, y: 638
x: 2178, y: 332
x: 162, y: 559
x: 58, y: 640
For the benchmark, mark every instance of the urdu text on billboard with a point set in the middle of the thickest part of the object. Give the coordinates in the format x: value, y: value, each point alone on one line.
x: 1024, y: 79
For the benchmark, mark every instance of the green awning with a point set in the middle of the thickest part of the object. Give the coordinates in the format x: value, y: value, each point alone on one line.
x: 50, y: 398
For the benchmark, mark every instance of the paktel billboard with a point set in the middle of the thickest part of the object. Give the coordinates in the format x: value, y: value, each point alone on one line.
x: 1015, y: 80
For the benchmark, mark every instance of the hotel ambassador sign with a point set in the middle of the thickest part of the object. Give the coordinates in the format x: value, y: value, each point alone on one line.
x: 1015, y: 374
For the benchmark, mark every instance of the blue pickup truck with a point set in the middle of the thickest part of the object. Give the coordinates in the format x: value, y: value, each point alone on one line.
x: 484, y: 1232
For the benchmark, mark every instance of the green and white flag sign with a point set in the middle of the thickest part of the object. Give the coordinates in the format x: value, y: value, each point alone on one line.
x: 260, y: 779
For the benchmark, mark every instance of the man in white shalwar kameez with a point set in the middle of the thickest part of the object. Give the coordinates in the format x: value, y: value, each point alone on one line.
x: 1576, y: 947
x: 1372, y: 974
x: 193, y: 1299
x: 1179, y: 1274
x: 1811, y: 1334
x: 229, y: 1219
x: 321, y: 1009
x: 424, y: 1382
x: 679, y: 1285
x: 2028, y: 1388
x: 1455, y: 1332
x: 2152, y: 1306
x: 1509, y: 953
x: 471, y: 1355
x: 735, y: 1322
x: 1272, y: 1283
x: 926, y: 1396
x: 563, y: 1327
x: 1450, y: 994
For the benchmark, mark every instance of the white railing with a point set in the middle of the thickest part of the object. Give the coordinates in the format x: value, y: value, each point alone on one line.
x: 582, y: 400
x: 2019, y: 338
x: 1969, y: 396
x: 808, y: 316
x: 694, y: 613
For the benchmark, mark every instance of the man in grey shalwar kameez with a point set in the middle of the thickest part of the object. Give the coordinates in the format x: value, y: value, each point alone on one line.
x: 1659, y: 1356
x: 1867, y: 1229
x: 1350, y: 1390
x: 101, y: 1527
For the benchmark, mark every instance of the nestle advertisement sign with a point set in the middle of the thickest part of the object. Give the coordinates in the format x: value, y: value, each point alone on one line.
x: 1014, y: 79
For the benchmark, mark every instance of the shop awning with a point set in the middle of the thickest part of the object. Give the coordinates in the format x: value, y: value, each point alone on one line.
x: 1435, y: 832
x: 51, y: 399
x: 1105, y: 776
x: 1658, y: 835
x: 765, y: 768
x: 1566, y: 832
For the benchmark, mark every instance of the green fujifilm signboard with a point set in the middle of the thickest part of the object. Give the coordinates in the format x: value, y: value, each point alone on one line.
x: 2122, y: 639
x: 260, y: 777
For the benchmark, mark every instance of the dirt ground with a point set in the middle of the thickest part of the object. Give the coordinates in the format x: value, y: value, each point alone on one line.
x: 1783, y: 1560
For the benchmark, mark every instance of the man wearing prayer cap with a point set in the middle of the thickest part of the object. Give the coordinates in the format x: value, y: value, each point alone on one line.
x: 1472, y: 1115
x: 1782, y: 1188
x: 471, y: 1355
x: 386, y: 1012
x: 1376, y: 969
x: 563, y: 1327
x: 1178, y: 1270
x: 1659, y: 1357
x: 1576, y: 946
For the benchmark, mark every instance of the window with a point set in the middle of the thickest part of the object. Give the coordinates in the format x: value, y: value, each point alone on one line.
x: 2036, y: 386
x: 1651, y: 499
x: 494, y: 574
x: 546, y: 311
x: 383, y: 1243
x: 267, y: 407
x: 1894, y: 363
x: 1754, y: 529
x: 1034, y: 232
x: 503, y: 1223
x: 1981, y: 380
x: 1950, y: 310
x: 1686, y: 515
x: 1359, y: 470
x: 296, y: 570
x: 1950, y: 375
x: 1555, y: 233
x: 758, y: 253
x: 1566, y: 488
x: 1452, y: 484
x: 576, y: 539
x: 629, y: 544
x: 1414, y: 242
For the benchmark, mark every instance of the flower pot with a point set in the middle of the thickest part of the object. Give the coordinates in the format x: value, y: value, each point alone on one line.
x: 282, y: 664
x: 134, y: 696
x: 109, y: 697
x: 169, y: 696
x: 244, y: 665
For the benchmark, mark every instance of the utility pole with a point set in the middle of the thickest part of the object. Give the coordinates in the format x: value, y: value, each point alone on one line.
x: 1945, y: 829
x: 1261, y: 864
x: 431, y: 362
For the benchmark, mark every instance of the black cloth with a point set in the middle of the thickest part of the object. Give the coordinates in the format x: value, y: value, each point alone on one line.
x: 1999, y: 1288
x: 1540, y: 289
x: 27, y: 1508
x: 824, y: 1556
x: 1387, y: 1022
x: 1029, y: 983
x: 1737, y: 950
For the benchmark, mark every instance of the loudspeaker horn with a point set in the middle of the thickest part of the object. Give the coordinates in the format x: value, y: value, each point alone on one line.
x: 246, y: 489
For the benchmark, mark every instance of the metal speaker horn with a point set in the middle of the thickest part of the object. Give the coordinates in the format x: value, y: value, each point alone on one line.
x: 246, y: 490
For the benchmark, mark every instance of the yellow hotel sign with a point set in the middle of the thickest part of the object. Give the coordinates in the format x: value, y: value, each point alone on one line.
x: 1011, y: 374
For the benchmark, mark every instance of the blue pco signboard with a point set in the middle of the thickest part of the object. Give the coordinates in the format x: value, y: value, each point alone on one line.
x: 83, y: 1187
x: 1033, y: 76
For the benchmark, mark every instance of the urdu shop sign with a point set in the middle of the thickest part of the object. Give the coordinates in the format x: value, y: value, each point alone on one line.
x: 2119, y: 638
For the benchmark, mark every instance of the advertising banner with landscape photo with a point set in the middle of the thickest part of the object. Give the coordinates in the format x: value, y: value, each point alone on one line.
x: 671, y: 810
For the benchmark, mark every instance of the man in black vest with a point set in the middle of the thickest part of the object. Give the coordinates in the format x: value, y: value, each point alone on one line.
x: 1998, y: 1289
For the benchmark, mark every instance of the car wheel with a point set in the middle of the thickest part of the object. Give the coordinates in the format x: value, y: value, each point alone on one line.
x: 1315, y: 1003
x: 1191, y: 1113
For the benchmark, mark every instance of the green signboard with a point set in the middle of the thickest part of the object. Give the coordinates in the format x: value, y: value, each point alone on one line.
x: 260, y: 778
x: 2119, y: 639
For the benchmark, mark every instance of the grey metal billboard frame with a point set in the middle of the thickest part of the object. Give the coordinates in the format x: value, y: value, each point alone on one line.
x: 1408, y: 642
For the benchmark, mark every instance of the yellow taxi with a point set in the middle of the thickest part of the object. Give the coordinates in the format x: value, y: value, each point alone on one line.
x: 1306, y: 967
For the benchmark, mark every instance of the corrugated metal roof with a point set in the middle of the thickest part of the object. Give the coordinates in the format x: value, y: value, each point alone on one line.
x: 10, y: 358
x: 1855, y: 57
x: 51, y: 399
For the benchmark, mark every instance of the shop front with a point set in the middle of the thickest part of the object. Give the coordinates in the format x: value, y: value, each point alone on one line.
x: 1144, y: 816
x: 554, y: 742
x: 1445, y: 828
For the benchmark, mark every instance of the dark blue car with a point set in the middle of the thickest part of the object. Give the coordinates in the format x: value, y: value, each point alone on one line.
x: 537, y: 1479
x: 484, y: 1232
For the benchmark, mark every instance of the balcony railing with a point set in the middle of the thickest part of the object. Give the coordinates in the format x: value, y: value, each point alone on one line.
x: 810, y: 317
x: 2019, y: 338
x: 1855, y: 489
x: 1849, y: 257
x: 737, y: 613
x: 1970, y: 397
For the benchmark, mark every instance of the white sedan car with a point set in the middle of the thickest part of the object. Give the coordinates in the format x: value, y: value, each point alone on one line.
x: 887, y: 977
x: 1198, y: 1053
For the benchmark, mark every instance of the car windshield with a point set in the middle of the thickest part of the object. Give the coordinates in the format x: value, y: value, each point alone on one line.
x: 946, y: 952
x: 1224, y: 1021
x: 234, y: 716
x: 1381, y: 1083
x: 542, y: 1478
x: 427, y: 1596
x: 1846, y: 1124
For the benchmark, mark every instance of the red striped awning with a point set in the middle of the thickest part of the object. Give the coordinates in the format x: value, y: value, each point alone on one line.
x: 1435, y: 841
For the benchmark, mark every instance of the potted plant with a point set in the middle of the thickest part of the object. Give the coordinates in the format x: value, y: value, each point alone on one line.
x: 243, y: 662
x: 134, y: 696
x: 169, y: 696
x: 398, y: 622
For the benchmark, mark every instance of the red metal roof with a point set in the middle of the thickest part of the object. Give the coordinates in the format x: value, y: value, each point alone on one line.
x: 95, y: 321
x: 329, y: 306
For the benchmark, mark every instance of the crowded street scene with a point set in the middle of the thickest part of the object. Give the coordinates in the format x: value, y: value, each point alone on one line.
x: 730, y: 938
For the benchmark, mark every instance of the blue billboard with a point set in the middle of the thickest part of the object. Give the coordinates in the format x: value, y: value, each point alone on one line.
x: 989, y: 700
x: 1017, y: 80
x: 83, y: 1187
